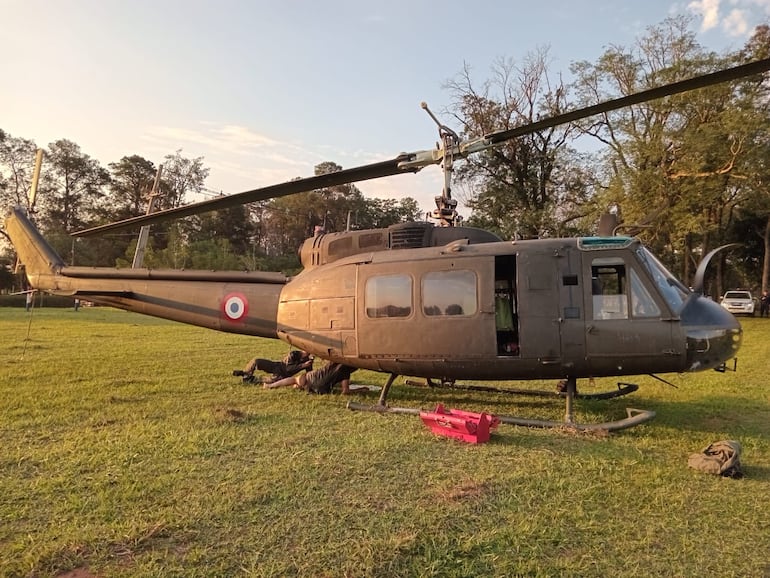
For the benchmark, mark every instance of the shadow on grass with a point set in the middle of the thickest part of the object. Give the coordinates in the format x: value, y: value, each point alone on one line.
x: 760, y: 473
x: 724, y: 416
x: 713, y: 414
x: 28, y: 345
x: 428, y: 397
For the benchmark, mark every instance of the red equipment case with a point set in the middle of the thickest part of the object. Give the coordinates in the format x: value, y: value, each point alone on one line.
x: 463, y: 425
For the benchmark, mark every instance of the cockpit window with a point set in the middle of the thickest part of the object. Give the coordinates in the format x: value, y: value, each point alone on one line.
x: 672, y: 290
x: 642, y: 303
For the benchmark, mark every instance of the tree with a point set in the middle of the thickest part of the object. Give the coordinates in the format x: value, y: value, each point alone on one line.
x: 17, y: 162
x: 754, y: 210
x: 7, y: 278
x: 676, y: 163
x: 233, y: 224
x: 220, y: 239
x: 520, y: 188
x: 288, y: 221
x: 72, y: 186
x: 181, y: 176
x: 380, y: 213
x: 639, y: 148
x: 334, y: 204
x: 130, y: 187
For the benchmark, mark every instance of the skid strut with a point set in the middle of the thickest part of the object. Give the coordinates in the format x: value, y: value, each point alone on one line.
x: 633, y: 417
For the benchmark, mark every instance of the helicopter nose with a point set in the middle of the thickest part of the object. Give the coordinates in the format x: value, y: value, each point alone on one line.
x: 713, y: 334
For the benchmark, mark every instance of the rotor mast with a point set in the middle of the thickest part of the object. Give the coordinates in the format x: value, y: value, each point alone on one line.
x: 446, y: 207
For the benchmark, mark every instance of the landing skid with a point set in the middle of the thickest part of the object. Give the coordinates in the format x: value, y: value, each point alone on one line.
x: 633, y: 416
x: 623, y: 389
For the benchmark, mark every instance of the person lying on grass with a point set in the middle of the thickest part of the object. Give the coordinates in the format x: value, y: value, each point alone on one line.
x: 294, y: 362
x: 320, y: 380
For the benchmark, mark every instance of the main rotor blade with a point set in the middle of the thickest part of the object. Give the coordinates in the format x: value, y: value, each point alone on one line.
x: 363, y: 173
x: 431, y: 157
x: 413, y: 162
x: 703, y: 81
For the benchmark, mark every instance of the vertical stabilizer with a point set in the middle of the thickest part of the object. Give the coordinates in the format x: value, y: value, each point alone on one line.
x: 34, y: 252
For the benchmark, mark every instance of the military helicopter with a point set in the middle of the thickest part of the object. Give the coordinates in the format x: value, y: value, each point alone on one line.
x: 438, y: 301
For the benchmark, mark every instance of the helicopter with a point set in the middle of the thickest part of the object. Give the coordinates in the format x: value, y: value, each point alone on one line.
x: 437, y: 300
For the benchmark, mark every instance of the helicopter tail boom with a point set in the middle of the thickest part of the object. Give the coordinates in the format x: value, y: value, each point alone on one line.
x: 230, y: 301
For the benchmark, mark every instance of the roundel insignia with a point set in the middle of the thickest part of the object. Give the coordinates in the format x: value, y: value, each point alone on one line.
x: 235, y: 306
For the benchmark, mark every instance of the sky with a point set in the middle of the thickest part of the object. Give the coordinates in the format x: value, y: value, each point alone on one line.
x: 265, y: 90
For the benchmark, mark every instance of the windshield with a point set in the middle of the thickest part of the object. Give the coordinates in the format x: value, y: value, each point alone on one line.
x: 672, y: 290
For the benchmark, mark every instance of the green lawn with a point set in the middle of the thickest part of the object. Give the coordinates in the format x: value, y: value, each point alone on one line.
x: 128, y: 449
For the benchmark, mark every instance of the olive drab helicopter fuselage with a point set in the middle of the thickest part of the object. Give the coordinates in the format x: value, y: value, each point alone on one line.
x: 444, y: 302
x: 549, y: 308
x: 419, y: 300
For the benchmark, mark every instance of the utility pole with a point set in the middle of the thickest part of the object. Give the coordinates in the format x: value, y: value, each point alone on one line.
x: 32, y: 198
x: 144, y: 232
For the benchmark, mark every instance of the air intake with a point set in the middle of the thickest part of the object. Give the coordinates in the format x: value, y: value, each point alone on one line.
x: 409, y: 235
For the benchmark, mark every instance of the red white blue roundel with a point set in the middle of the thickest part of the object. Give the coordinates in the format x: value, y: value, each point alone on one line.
x: 235, y: 306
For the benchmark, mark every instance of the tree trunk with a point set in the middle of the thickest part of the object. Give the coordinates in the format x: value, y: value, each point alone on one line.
x: 686, y: 260
x: 766, y: 257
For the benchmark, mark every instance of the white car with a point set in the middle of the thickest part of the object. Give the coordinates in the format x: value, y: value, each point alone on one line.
x: 738, y: 302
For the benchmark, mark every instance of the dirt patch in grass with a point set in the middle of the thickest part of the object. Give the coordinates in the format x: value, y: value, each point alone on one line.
x: 77, y: 573
x: 231, y: 415
x: 467, y: 490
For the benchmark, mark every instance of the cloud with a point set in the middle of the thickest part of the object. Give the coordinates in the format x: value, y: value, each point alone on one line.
x: 233, y: 142
x: 241, y: 159
x: 226, y: 138
x: 741, y: 18
x: 764, y: 5
x: 736, y: 23
x: 708, y: 10
x: 238, y: 157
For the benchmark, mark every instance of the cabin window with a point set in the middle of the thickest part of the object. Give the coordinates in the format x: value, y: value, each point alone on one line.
x: 608, y: 282
x: 449, y: 293
x: 389, y: 296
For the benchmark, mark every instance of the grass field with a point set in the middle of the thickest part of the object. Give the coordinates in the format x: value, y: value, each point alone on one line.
x: 128, y: 449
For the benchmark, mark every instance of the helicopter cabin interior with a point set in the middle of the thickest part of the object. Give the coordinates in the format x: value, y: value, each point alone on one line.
x: 506, y: 317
